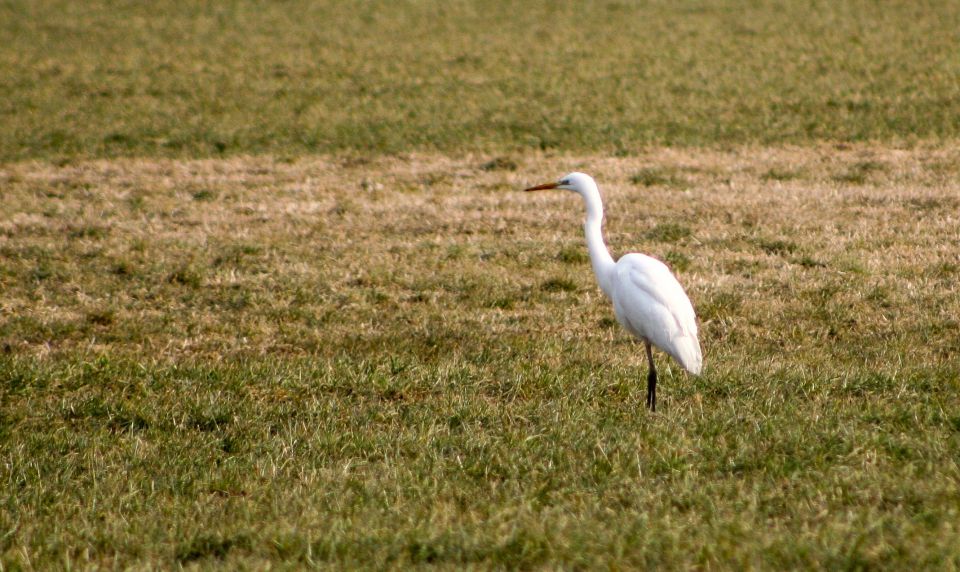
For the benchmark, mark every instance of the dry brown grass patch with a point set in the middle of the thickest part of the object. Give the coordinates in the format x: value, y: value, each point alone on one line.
x: 252, y: 255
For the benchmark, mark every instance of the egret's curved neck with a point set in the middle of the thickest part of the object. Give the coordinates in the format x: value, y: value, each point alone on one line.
x: 599, y: 255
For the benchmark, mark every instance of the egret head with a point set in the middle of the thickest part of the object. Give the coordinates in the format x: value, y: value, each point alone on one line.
x: 577, y: 182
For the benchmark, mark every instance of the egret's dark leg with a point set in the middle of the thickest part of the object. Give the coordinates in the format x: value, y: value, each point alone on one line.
x: 651, y: 380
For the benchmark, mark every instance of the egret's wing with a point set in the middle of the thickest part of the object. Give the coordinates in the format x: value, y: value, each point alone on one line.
x: 652, y: 305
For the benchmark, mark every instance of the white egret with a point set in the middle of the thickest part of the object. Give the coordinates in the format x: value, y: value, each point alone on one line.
x: 647, y: 299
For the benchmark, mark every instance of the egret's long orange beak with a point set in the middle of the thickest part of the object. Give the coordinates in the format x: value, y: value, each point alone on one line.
x: 543, y: 187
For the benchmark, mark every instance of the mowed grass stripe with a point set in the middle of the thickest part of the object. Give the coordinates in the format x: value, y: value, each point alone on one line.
x: 190, y: 79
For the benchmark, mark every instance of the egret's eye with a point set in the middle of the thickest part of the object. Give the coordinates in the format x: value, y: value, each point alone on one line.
x: 565, y: 182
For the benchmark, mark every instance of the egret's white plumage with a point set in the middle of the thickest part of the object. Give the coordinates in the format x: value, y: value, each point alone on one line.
x: 647, y: 299
x: 652, y: 306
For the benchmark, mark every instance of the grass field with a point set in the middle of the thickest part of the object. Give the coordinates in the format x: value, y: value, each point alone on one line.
x: 191, y: 79
x: 406, y: 361
x: 271, y: 297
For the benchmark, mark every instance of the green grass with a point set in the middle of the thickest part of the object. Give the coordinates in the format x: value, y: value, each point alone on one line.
x: 345, y: 339
x: 189, y: 79
x: 405, y: 362
x: 653, y: 176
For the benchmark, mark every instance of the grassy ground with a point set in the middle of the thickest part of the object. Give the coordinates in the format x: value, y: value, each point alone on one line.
x: 343, y: 361
x: 270, y: 295
x: 190, y: 79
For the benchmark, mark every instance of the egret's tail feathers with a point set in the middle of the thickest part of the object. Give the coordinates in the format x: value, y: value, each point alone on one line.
x: 687, y: 352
